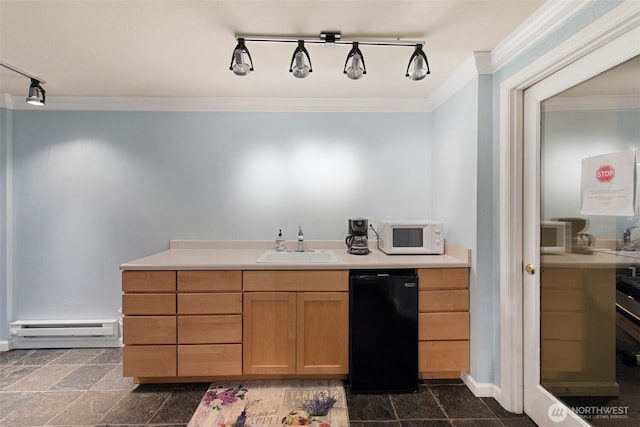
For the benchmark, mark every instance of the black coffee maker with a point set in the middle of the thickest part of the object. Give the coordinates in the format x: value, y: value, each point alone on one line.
x: 357, y: 239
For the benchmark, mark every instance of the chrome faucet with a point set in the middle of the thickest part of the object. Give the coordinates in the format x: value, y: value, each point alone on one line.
x: 300, y: 239
x: 626, y: 238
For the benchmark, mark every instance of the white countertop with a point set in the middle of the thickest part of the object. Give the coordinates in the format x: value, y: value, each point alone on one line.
x: 242, y: 255
x: 599, y: 258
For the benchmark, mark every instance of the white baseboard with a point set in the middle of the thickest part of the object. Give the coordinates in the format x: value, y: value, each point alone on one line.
x: 479, y: 389
x: 10, y: 345
x: 72, y: 342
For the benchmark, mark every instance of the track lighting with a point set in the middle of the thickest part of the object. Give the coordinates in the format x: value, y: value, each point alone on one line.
x: 354, y: 66
x: 418, y: 67
x: 355, y: 71
x: 300, y: 69
x: 36, y: 94
x: 238, y: 64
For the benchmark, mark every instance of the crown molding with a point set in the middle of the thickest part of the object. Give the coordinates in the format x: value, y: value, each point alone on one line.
x: 594, y: 103
x: 473, y: 66
x: 6, y: 101
x: 280, y: 105
x: 548, y: 18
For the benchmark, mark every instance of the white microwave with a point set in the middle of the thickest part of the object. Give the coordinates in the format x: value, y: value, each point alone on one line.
x: 555, y: 237
x: 411, y: 237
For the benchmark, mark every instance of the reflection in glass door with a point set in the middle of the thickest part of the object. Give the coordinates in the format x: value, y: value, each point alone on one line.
x: 589, y: 292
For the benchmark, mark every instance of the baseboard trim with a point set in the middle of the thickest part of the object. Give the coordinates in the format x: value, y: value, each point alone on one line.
x: 10, y: 345
x: 479, y: 389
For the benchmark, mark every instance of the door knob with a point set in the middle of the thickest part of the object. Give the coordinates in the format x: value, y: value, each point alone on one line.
x: 529, y: 268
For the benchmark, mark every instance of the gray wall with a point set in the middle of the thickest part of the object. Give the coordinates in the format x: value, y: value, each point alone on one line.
x: 455, y: 171
x: 461, y: 171
x: 570, y: 136
x: 5, y: 136
x: 94, y: 189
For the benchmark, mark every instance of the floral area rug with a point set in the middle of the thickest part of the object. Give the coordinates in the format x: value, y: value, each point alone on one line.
x: 273, y: 403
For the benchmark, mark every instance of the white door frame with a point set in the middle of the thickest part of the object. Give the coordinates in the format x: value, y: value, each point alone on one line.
x: 608, y: 28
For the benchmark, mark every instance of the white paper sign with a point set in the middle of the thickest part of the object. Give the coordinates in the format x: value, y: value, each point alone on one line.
x: 609, y: 184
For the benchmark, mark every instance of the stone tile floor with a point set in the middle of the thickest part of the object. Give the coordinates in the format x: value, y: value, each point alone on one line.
x: 85, y: 387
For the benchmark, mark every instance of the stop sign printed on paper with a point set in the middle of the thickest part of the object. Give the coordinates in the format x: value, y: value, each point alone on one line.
x: 605, y: 173
x: 608, y: 184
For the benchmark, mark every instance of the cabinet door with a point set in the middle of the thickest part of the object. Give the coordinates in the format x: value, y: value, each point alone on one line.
x: 296, y: 280
x: 140, y: 330
x: 209, y: 281
x: 210, y: 303
x: 322, y: 335
x: 443, y: 359
x: 148, y: 281
x: 209, y: 360
x: 269, y: 333
x: 149, y: 361
x: 210, y: 329
x: 443, y: 278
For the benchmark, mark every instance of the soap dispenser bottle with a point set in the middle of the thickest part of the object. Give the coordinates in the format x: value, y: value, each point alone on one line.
x: 280, y: 242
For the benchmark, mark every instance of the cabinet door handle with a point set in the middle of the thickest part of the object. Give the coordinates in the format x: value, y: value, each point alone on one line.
x: 529, y: 268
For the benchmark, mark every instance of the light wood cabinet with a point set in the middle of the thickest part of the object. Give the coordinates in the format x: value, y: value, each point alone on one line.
x: 149, y: 323
x: 182, y: 324
x: 209, y: 323
x: 577, y: 315
x: 294, y: 332
x: 443, y: 328
x: 187, y: 325
x: 322, y: 333
x: 149, y: 361
x: 269, y: 333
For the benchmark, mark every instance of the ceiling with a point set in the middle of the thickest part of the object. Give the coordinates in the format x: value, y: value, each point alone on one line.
x: 182, y: 48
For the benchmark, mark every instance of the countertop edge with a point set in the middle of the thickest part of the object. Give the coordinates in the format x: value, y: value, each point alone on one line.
x: 241, y: 255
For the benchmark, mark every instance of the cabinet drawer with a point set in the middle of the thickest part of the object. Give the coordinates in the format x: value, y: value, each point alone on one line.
x: 149, y: 330
x: 562, y: 356
x: 563, y: 326
x: 443, y: 356
x: 443, y: 326
x: 208, y: 281
x: 141, y: 304
x: 285, y: 281
x: 438, y: 301
x: 149, y: 361
x: 562, y: 278
x: 443, y: 278
x: 204, y: 360
x: 148, y: 281
x: 209, y: 329
x: 562, y: 299
x: 210, y: 303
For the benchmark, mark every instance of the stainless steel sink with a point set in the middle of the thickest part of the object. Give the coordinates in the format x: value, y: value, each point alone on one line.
x: 317, y: 256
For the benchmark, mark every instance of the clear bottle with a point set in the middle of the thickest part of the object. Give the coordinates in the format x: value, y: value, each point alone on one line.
x: 280, y: 242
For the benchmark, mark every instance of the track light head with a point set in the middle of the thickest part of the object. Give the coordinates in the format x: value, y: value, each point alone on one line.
x: 354, y: 66
x: 357, y: 68
x: 418, y: 67
x: 238, y: 64
x: 36, y: 94
x: 300, y: 69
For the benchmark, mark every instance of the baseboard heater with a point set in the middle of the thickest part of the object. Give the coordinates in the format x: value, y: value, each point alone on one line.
x: 64, y: 333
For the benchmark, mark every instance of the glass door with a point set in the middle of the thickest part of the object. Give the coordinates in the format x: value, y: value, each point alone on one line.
x: 581, y: 237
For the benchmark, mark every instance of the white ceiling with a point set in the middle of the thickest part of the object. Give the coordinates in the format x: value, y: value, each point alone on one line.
x: 182, y: 48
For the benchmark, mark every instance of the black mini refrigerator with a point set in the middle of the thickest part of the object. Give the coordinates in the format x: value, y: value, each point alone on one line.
x: 383, y: 331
